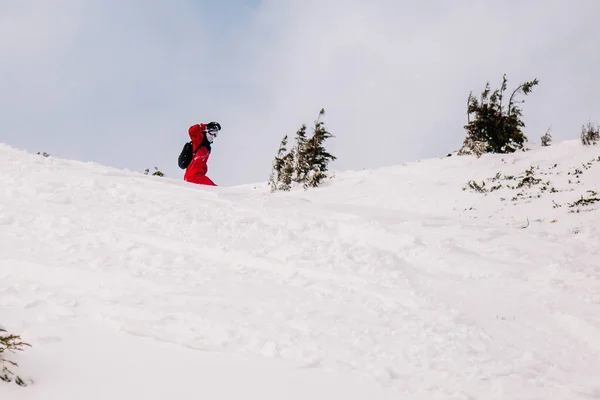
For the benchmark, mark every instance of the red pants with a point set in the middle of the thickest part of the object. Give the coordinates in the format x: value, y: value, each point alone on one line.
x: 201, y: 180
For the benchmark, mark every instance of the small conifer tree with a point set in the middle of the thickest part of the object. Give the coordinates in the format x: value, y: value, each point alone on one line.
x: 590, y: 134
x: 547, y: 138
x: 317, y: 156
x: 278, y: 165
x: 287, y: 174
x: 302, y: 166
x: 156, y: 172
x: 499, y: 128
x: 306, y: 163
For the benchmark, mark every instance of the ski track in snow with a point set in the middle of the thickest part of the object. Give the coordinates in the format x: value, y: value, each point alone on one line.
x: 424, y: 303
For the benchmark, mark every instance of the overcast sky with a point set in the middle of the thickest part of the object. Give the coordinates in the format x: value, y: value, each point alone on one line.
x: 120, y: 82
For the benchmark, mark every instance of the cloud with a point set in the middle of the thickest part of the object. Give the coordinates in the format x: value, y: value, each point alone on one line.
x: 120, y: 82
x: 109, y: 82
x: 395, y: 75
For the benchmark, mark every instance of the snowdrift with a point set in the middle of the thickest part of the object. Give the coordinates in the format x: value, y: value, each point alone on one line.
x: 450, y: 278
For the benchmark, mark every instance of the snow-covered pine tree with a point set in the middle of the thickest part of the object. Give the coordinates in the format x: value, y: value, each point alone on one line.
x: 590, y: 134
x: 302, y: 167
x: 287, y: 173
x: 307, y: 161
x: 317, y: 157
x: 546, y: 138
x: 278, y: 165
x: 496, y: 126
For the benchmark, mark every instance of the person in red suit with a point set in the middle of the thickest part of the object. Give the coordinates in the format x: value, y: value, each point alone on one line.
x: 202, y: 136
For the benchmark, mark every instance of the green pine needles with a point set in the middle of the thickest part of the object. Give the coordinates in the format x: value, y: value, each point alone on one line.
x: 497, y: 125
x: 306, y: 163
x: 10, y: 343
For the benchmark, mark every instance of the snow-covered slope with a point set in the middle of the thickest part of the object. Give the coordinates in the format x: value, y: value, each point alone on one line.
x: 400, y: 283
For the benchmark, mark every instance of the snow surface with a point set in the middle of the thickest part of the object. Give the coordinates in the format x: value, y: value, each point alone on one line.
x: 389, y: 283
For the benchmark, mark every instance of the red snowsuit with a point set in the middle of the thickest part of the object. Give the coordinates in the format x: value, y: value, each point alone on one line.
x: 196, y: 171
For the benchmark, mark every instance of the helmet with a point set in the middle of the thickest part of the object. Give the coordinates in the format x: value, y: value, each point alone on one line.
x: 212, y: 130
x: 213, y: 126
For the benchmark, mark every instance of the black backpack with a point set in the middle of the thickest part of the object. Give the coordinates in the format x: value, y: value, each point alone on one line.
x: 187, y: 154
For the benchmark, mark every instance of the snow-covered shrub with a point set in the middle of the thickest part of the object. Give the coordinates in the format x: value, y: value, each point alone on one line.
x: 590, y: 134
x: 156, y: 172
x: 579, y: 205
x: 470, y: 146
x: 547, y: 138
x: 524, y: 184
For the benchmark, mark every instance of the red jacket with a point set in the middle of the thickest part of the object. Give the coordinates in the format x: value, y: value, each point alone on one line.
x: 196, y: 171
